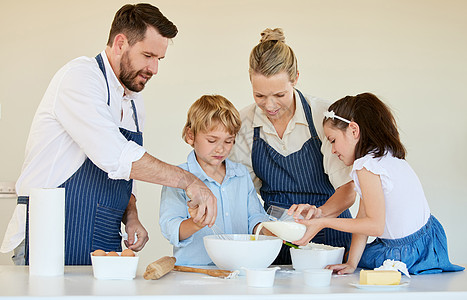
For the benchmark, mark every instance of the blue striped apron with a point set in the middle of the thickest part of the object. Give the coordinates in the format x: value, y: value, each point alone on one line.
x: 295, y: 179
x: 94, y: 204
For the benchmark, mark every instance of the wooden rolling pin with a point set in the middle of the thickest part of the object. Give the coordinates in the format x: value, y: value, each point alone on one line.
x: 160, y: 267
x: 210, y: 272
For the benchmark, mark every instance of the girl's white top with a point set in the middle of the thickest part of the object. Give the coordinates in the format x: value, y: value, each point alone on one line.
x: 406, y: 207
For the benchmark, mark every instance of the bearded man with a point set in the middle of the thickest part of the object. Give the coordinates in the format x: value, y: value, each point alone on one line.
x: 86, y: 137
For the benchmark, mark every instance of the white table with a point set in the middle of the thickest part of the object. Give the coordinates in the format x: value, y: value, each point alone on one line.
x: 79, y: 283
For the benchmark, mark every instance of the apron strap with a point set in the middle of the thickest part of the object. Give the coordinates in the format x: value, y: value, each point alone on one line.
x: 100, y: 63
x: 135, y: 115
x: 308, y: 116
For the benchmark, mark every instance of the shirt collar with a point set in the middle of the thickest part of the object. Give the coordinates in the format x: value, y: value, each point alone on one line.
x: 299, y: 116
x: 114, y: 83
x: 231, y: 169
x: 261, y: 120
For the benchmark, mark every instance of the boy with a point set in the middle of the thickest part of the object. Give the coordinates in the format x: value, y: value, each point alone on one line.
x: 211, y: 126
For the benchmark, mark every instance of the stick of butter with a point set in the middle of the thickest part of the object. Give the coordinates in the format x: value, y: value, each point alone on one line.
x: 380, y: 277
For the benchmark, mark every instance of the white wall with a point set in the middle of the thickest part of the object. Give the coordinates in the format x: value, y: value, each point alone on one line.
x: 413, y: 54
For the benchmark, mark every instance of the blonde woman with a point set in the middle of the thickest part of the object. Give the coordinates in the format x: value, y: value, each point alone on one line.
x: 282, y: 143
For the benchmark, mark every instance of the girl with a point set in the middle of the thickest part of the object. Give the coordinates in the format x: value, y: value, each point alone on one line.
x: 393, y: 207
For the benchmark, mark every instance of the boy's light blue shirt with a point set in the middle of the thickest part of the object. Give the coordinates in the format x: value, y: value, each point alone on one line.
x: 238, y: 210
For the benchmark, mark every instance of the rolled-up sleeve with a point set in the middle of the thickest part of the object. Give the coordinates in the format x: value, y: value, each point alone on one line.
x: 173, y: 211
x: 131, y: 152
x: 86, y: 117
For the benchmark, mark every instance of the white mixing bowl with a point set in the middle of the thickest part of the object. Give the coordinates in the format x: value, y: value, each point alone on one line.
x: 316, y: 256
x: 240, y: 251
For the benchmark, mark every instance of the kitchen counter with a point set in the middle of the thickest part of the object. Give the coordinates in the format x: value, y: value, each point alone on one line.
x: 79, y: 283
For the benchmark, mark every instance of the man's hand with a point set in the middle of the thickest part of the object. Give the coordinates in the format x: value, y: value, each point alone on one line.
x: 133, y: 226
x: 204, y: 201
x: 150, y: 169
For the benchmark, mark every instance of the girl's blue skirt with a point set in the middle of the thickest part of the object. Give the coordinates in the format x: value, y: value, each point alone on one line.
x: 424, y: 252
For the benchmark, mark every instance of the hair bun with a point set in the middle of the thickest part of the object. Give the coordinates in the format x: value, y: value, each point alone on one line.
x: 269, y: 34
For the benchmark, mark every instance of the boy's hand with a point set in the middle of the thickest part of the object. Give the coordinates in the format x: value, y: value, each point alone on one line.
x: 193, y: 213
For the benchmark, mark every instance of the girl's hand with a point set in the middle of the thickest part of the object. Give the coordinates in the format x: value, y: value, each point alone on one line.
x: 193, y: 213
x: 313, y: 226
x: 307, y: 211
x: 341, y: 269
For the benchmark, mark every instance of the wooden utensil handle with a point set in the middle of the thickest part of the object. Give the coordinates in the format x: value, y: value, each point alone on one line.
x: 210, y: 272
x: 159, y: 268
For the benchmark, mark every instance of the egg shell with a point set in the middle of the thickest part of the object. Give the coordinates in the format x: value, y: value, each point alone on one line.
x: 99, y: 252
x: 112, y: 253
x: 127, y: 252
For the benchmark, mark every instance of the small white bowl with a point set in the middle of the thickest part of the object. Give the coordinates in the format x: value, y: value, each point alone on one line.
x: 261, y: 277
x: 317, y: 277
x: 114, y: 267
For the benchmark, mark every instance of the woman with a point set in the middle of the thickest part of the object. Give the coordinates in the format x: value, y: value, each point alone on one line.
x: 283, y: 145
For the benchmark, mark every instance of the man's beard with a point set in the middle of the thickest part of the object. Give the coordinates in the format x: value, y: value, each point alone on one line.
x: 129, y: 77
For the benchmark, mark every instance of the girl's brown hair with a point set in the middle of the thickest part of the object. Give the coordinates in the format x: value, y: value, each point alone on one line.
x: 378, y: 128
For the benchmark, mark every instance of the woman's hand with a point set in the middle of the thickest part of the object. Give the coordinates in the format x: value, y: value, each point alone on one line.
x: 341, y: 269
x: 307, y: 211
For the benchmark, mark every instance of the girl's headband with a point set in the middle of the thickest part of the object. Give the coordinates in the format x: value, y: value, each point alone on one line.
x: 332, y: 115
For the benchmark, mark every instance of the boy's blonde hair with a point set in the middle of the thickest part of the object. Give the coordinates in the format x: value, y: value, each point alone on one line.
x: 210, y: 111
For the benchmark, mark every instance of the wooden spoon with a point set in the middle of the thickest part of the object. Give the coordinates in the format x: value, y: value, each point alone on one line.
x: 210, y: 272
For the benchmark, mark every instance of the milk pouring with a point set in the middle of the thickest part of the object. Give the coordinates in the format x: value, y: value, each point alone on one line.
x: 282, y: 225
x: 286, y: 230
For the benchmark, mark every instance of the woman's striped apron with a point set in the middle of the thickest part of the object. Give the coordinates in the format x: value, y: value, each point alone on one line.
x: 295, y: 179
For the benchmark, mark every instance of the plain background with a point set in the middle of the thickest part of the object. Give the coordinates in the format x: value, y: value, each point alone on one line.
x: 412, y: 54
